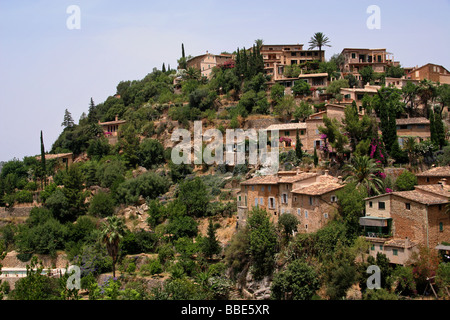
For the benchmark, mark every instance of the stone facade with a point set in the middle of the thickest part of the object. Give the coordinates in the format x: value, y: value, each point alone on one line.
x: 309, y: 196
x: 407, y: 219
x: 432, y: 72
x: 206, y: 62
x: 434, y: 175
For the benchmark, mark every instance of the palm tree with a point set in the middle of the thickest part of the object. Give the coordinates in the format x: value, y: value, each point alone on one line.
x: 363, y: 171
x: 111, y: 233
x: 318, y: 41
x: 410, y: 147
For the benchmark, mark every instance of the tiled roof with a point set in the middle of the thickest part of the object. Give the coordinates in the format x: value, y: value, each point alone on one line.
x: 288, y: 126
x: 55, y: 156
x: 419, y: 120
x: 442, y: 190
x: 112, y: 122
x: 324, y: 185
x: 436, y: 172
x: 274, y: 179
x: 421, y: 197
x: 261, y: 180
x: 296, y: 178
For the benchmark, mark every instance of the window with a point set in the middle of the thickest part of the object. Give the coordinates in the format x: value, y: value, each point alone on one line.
x: 370, y: 204
x: 253, y: 188
x: 372, y: 247
x: 295, y: 199
x: 299, y: 211
x: 325, y: 215
x: 286, y: 133
x: 239, y: 198
x: 333, y: 199
x: 353, y: 55
x: 272, y: 203
x: 261, y: 201
x: 262, y: 188
x: 381, y: 247
x: 256, y: 202
x: 306, y: 214
x: 306, y: 226
x: 408, y: 206
x: 282, y: 211
x: 441, y: 227
x: 302, y: 132
x: 284, y: 198
x: 293, y: 54
x: 381, y: 205
x: 311, y: 201
x: 269, y: 188
x: 395, y: 252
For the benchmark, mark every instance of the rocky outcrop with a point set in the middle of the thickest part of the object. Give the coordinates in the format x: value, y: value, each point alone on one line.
x: 256, y: 289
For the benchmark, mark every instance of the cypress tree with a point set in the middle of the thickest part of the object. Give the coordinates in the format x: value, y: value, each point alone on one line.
x: 163, y: 68
x: 43, y: 165
x: 92, y: 116
x: 298, y: 147
x: 434, y: 137
x: 440, y: 130
x: 316, y: 158
x: 211, y: 245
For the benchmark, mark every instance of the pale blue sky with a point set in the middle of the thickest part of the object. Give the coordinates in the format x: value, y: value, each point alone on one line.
x: 46, y: 68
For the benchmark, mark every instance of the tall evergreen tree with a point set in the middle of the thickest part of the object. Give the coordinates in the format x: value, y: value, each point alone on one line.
x: 298, y: 147
x: 92, y: 115
x: 211, y: 245
x: 183, y: 64
x: 68, y: 120
x: 163, y: 68
x: 43, y: 165
x: 440, y: 130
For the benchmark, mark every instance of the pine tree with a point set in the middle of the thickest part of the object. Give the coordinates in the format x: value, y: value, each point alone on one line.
x: 43, y: 165
x: 68, y: 120
x: 163, y: 68
x: 211, y: 245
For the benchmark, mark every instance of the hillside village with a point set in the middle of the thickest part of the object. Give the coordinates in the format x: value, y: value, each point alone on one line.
x: 364, y: 180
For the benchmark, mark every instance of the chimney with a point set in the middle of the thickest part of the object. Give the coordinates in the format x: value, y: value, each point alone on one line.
x: 117, y: 117
x: 406, y: 243
x: 340, y: 179
x: 326, y: 172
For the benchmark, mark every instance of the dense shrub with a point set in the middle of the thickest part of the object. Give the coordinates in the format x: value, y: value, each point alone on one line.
x: 101, y: 205
x: 406, y: 181
x: 148, y: 185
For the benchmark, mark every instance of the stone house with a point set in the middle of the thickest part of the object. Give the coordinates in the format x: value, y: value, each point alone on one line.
x: 291, y: 192
x: 434, y: 175
x: 63, y: 160
x: 396, y: 223
x: 430, y: 71
x: 417, y: 128
x: 357, y: 58
x: 111, y: 129
x: 276, y: 57
x: 206, y: 62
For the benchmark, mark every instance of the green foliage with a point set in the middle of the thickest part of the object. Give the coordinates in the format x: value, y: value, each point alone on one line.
x: 444, y: 158
x: 236, y: 252
x: 298, y: 282
x: 98, y: 148
x: 277, y: 92
x: 101, y: 205
x: 380, y: 294
x: 288, y: 223
x: 301, y: 88
x: 148, y: 185
x: 210, y: 245
x: 193, y: 194
x: 41, y: 234
x: 262, y: 242
x: 151, y: 152
x: 35, y: 286
x: 403, y: 279
x: 367, y: 74
x: 336, y: 86
x: 24, y: 196
x: 153, y: 266
x: 351, y: 207
x: 406, y: 181
x: 285, y: 107
x: 303, y: 111
x: 182, y: 226
x: 129, y: 144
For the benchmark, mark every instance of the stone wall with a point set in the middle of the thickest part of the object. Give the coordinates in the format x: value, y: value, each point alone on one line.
x: 15, y: 212
x: 411, y: 223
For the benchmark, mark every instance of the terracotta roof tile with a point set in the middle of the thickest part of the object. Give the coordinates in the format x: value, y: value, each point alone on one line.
x: 324, y: 185
x: 436, y: 172
x: 421, y: 197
